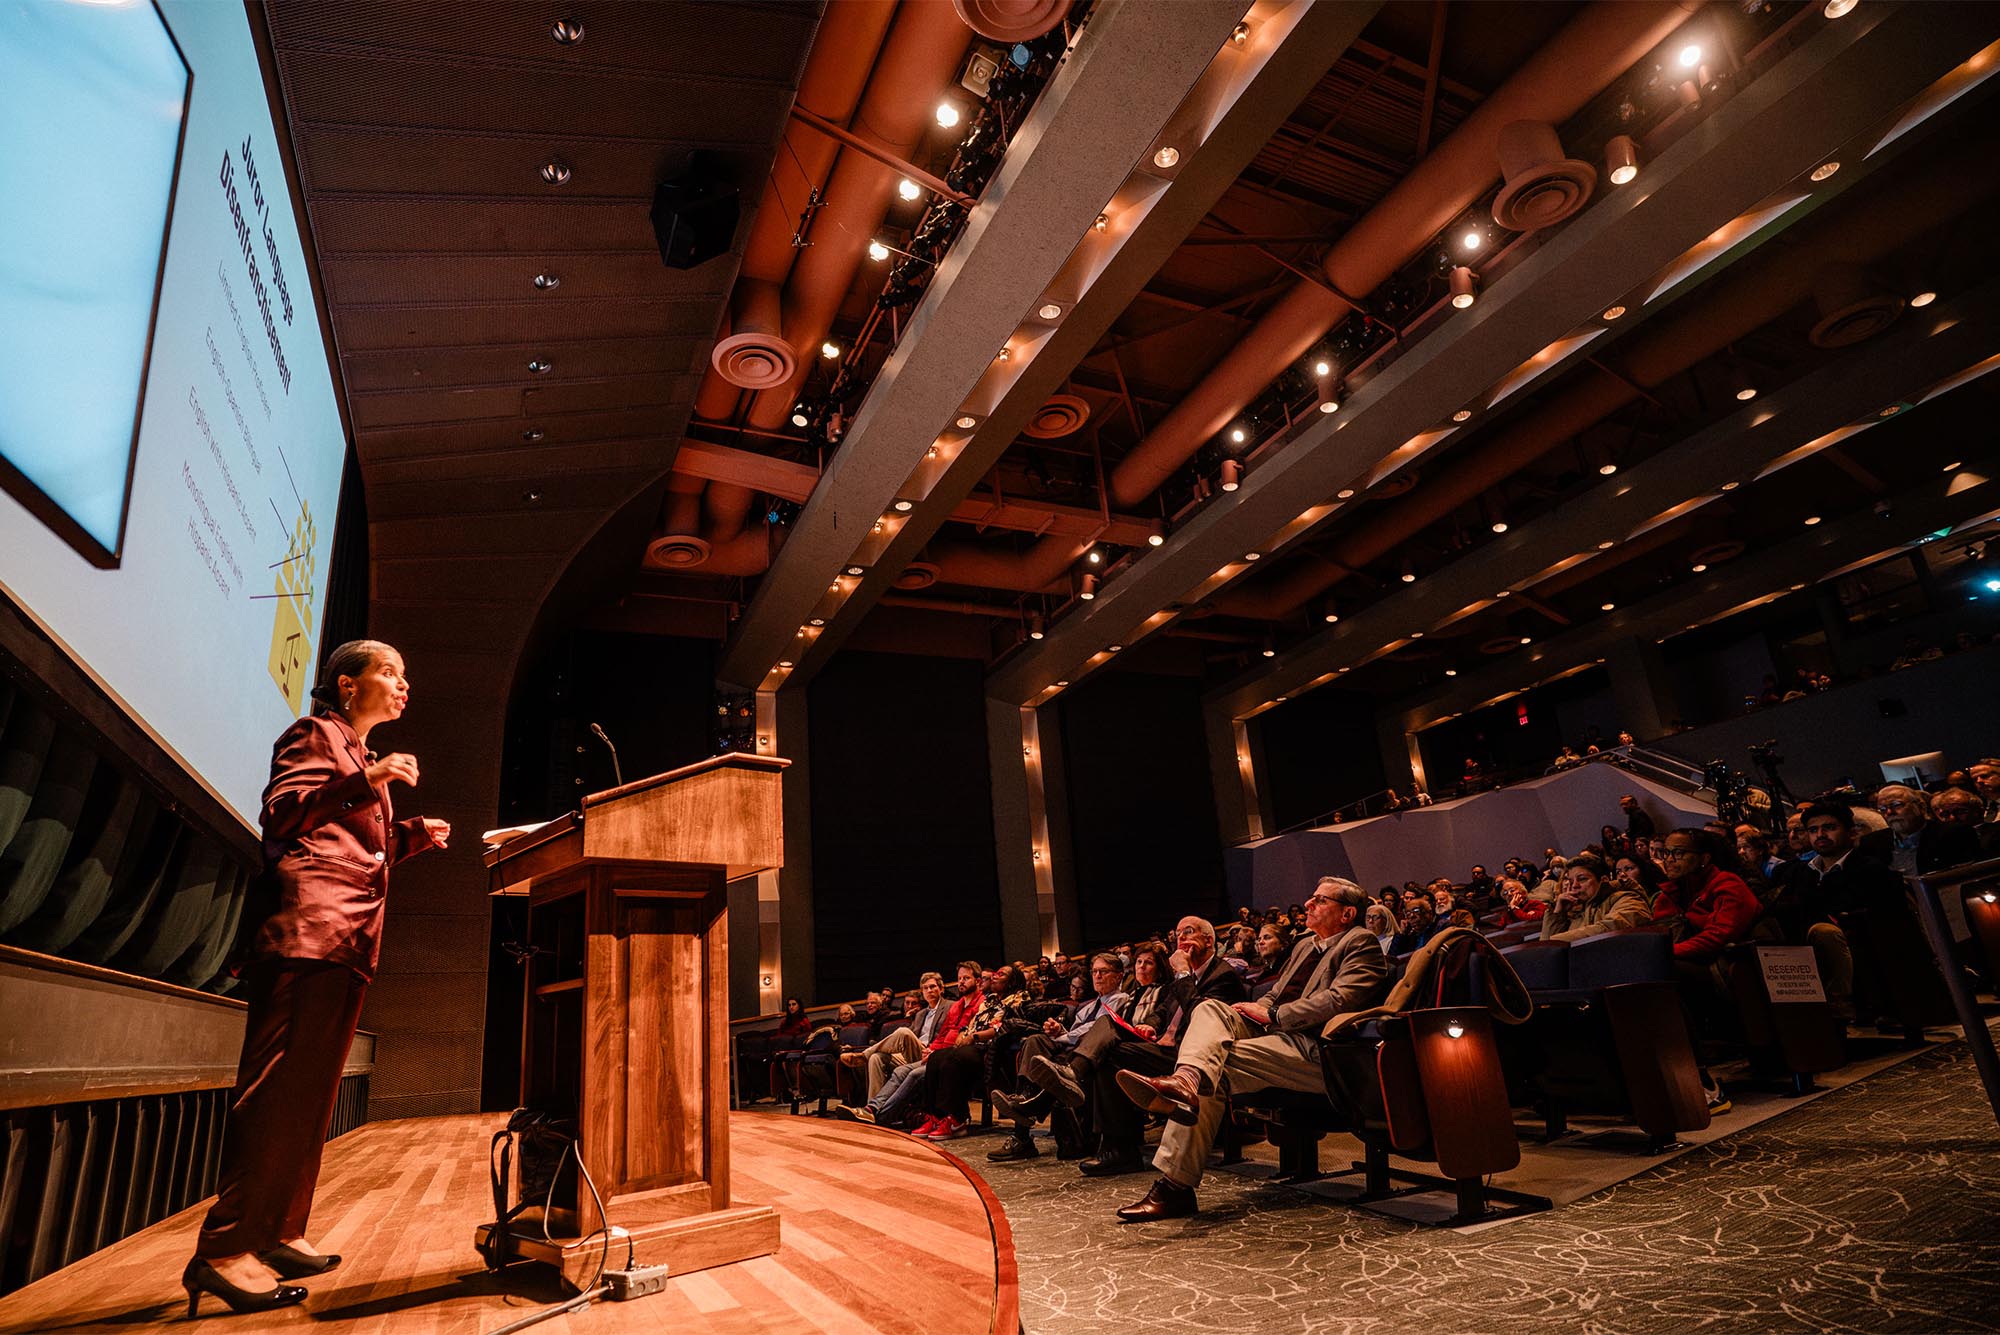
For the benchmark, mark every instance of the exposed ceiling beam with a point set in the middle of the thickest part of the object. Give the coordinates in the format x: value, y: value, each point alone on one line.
x: 1779, y: 429
x: 1123, y: 94
x: 1839, y: 87
x: 1834, y: 548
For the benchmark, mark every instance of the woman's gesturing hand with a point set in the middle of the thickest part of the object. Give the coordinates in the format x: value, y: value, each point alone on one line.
x: 440, y: 831
x: 399, y: 765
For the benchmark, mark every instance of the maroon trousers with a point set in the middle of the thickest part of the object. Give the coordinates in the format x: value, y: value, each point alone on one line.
x: 302, y: 1019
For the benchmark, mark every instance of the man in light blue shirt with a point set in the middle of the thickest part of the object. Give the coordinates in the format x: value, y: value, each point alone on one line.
x: 1106, y: 977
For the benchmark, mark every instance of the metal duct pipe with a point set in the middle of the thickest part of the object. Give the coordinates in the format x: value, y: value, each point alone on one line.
x: 1032, y: 571
x: 1596, y: 47
x: 844, y: 50
x: 920, y: 58
x: 1894, y: 213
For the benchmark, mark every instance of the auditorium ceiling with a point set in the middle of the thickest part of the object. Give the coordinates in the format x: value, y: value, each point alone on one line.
x: 1050, y: 387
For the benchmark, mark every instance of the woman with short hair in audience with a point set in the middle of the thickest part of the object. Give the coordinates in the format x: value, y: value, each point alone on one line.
x: 1592, y: 902
x: 1520, y: 906
x: 1640, y: 874
x: 1146, y: 992
x: 1274, y: 945
x: 1380, y: 921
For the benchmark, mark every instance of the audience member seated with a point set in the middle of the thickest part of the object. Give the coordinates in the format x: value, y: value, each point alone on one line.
x: 1591, y: 902
x: 906, y: 1043
x: 1638, y: 825
x: 786, y: 1041
x: 1708, y: 908
x: 1229, y: 1049
x: 1380, y: 921
x: 1894, y: 973
x: 1914, y: 844
x: 906, y: 1084
x: 1419, y: 925
x: 1520, y: 906
x: 1274, y: 945
x: 1985, y: 776
x: 1059, y: 1038
x: 1961, y: 807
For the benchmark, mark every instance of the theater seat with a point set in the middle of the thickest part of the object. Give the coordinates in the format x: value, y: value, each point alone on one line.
x: 1608, y: 1036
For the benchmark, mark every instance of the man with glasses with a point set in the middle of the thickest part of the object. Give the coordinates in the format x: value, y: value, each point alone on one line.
x: 1057, y: 1039
x: 1914, y: 844
x: 1336, y: 967
x: 1962, y: 809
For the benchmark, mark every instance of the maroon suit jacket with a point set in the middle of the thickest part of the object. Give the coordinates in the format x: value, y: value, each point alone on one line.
x: 329, y: 841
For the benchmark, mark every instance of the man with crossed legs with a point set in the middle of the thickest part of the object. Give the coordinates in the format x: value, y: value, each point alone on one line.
x: 1336, y: 967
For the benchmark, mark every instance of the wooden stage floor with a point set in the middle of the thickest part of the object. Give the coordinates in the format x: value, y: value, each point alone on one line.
x: 880, y: 1232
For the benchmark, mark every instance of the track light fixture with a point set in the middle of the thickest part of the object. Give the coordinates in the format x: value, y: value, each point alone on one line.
x: 1331, y: 615
x: 1157, y: 537
x: 1087, y: 588
x: 1409, y: 572
x: 1230, y: 475
x: 1464, y: 287
x: 1037, y: 627
x: 1621, y: 159
x: 1270, y: 647
x: 1329, y: 399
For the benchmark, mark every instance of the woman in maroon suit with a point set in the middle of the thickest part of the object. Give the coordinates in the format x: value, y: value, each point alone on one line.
x: 330, y: 837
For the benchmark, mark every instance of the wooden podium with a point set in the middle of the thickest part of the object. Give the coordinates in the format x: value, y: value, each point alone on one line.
x: 625, y: 1018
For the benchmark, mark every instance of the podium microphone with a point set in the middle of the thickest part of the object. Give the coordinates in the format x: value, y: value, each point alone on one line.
x: 617, y: 776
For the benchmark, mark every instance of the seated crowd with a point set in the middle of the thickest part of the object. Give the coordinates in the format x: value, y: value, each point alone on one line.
x: 1174, y: 1027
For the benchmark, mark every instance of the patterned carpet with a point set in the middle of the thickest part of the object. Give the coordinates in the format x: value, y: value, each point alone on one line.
x: 1876, y: 1208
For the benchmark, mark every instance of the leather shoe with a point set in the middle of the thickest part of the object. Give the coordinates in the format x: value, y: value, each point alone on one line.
x: 1167, y: 1200
x: 1174, y: 1095
x: 1017, y: 1147
x: 291, y: 1263
x: 1057, y: 1079
x: 1110, y: 1163
x: 1022, y: 1108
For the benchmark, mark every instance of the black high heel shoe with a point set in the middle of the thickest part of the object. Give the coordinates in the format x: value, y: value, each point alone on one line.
x: 200, y: 1277
x: 291, y: 1263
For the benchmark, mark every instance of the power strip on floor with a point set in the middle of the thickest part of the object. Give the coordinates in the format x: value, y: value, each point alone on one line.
x: 638, y: 1282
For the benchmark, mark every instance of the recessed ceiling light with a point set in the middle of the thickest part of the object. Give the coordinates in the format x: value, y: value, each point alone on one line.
x: 877, y: 251
x: 1499, y: 526
x: 1095, y: 556
x: 854, y: 570
x: 1953, y: 465
x: 1835, y: 9
x: 1156, y: 539
x: 1824, y: 170
x: 1891, y: 410
x: 556, y: 172
x: 1471, y: 241
x: 1331, y: 618
x: 1811, y: 520
x: 1324, y: 369
x: 1236, y: 434
x: 1731, y: 486
x: 947, y: 114
x: 1253, y: 556
x: 1923, y: 299
x: 1449, y: 672
x: 1062, y: 683
x: 1606, y: 607
x: 784, y: 662
x: 1527, y: 639
x: 1050, y: 311
x: 1409, y: 577
x: 1239, y: 34
x: 548, y: 282
x: 1344, y: 494
x: 966, y: 421
x: 904, y: 507
x: 829, y: 350
x: 1606, y: 546
x: 531, y: 496
x: 818, y: 621
x: 1269, y: 652
x: 1329, y: 404
x: 534, y: 434
x: 568, y: 32
x: 1698, y: 567
x: 1613, y: 312
x: 1416, y: 635
x: 1166, y: 157
x: 1745, y: 394
x: 1607, y: 468
x: 1113, y: 648
x: 908, y: 189
x: 1280, y: 699
x: 1462, y: 415
x: 1103, y: 222
x: 540, y: 366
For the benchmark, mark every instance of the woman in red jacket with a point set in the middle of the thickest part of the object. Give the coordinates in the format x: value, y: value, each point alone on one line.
x: 1716, y: 909
x: 330, y: 837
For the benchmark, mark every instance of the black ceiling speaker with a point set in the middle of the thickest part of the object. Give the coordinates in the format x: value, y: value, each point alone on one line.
x: 694, y: 213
